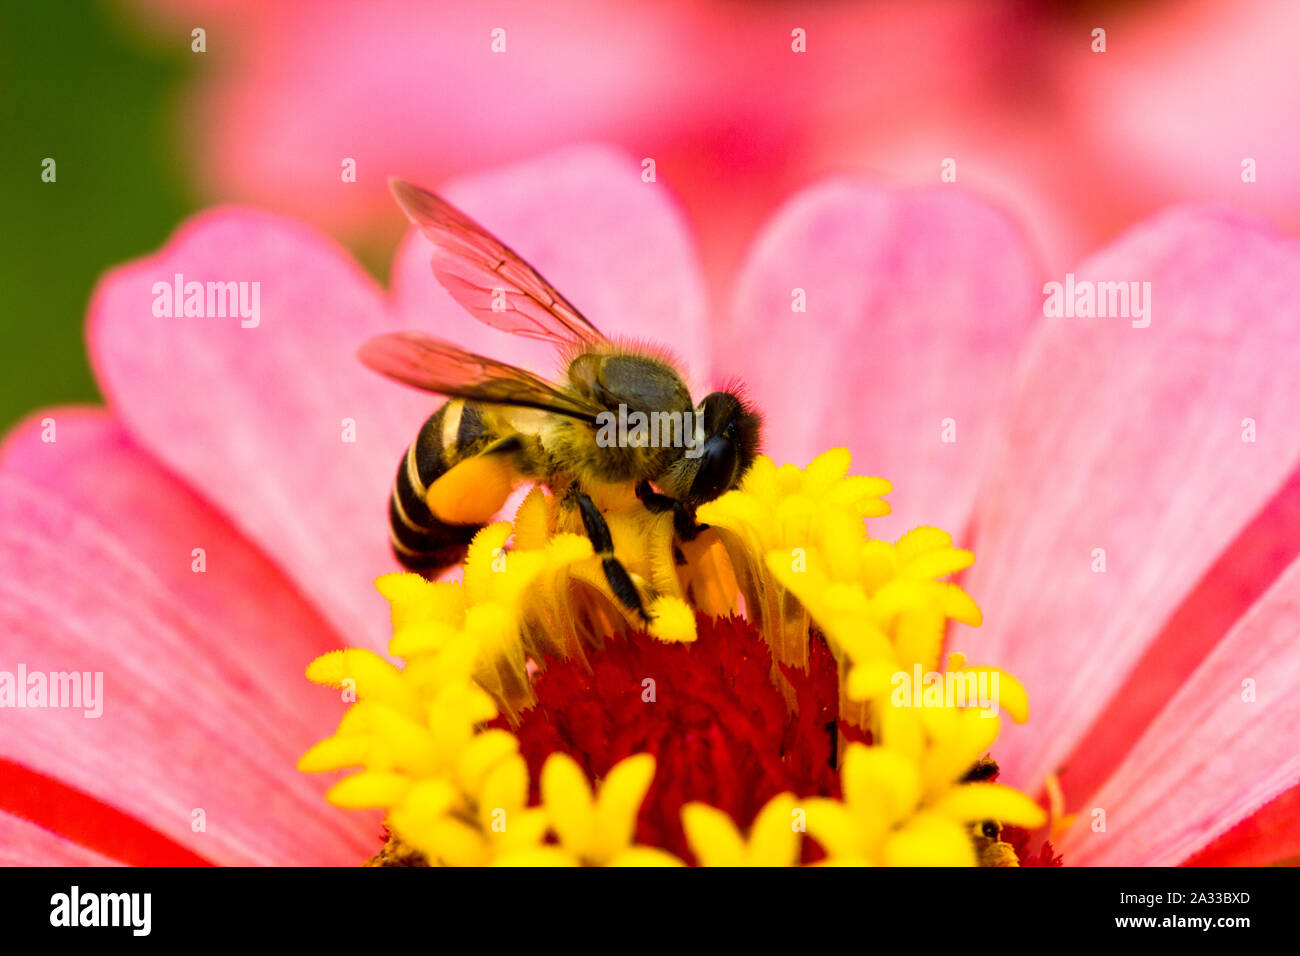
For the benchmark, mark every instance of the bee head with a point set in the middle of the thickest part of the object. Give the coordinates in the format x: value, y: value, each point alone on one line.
x: 730, y: 442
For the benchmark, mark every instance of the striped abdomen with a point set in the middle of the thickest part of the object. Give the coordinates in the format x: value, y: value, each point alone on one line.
x: 421, y: 542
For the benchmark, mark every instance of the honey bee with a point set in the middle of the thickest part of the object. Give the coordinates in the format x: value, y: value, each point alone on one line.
x: 503, y: 424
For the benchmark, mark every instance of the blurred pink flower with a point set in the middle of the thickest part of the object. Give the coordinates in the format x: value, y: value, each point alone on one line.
x: 712, y: 91
x: 922, y: 306
x: 1077, y: 145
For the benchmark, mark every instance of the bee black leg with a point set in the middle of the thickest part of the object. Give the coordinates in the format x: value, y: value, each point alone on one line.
x: 652, y: 499
x: 620, y: 582
x: 684, y: 523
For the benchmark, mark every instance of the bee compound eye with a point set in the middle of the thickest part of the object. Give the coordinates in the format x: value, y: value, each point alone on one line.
x: 717, y: 464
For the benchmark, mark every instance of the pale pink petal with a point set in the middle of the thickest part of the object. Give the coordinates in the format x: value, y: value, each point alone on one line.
x: 613, y: 245
x: 1182, y: 96
x: 916, y: 305
x: 1238, y: 578
x: 80, y: 817
x: 1008, y: 156
x: 1223, y: 747
x: 205, y: 703
x: 712, y: 90
x: 23, y: 843
x: 1269, y: 835
x: 416, y: 89
x: 94, y: 467
x: 1130, y: 440
x: 257, y: 419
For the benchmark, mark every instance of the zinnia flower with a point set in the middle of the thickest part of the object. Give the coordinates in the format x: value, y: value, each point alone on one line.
x: 217, y: 528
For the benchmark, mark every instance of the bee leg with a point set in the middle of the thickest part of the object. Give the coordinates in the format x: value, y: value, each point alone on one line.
x: 474, y: 489
x: 653, y: 500
x: 620, y: 582
x: 684, y: 523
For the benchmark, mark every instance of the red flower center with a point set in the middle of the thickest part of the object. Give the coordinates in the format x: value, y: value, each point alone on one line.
x: 717, y: 723
x: 720, y: 729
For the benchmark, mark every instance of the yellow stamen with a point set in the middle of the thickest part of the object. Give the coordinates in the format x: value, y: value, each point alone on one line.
x: 789, y: 550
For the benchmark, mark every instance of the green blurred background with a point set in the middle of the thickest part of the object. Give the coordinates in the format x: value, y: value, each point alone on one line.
x: 77, y: 84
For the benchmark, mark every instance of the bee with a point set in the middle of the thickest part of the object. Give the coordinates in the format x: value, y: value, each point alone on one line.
x: 503, y: 424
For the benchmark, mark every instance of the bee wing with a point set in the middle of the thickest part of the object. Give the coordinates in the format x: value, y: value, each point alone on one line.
x: 488, y: 278
x: 437, y: 366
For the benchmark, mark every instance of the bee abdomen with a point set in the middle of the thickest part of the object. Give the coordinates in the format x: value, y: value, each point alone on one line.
x: 420, y: 540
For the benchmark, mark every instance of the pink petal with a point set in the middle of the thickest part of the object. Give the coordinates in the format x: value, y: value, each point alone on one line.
x: 1228, y: 589
x: 1182, y: 96
x: 204, y: 700
x: 415, y: 89
x: 1212, y: 757
x: 1270, y: 835
x: 96, y: 469
x: 613, y: 245
x: 23, y: 843
x: 712, y: 90
x: 255, y: 418
x: 1130, y: 440
x: 1002, y: 153
x: 89, y: 823
x: 917, y: 303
